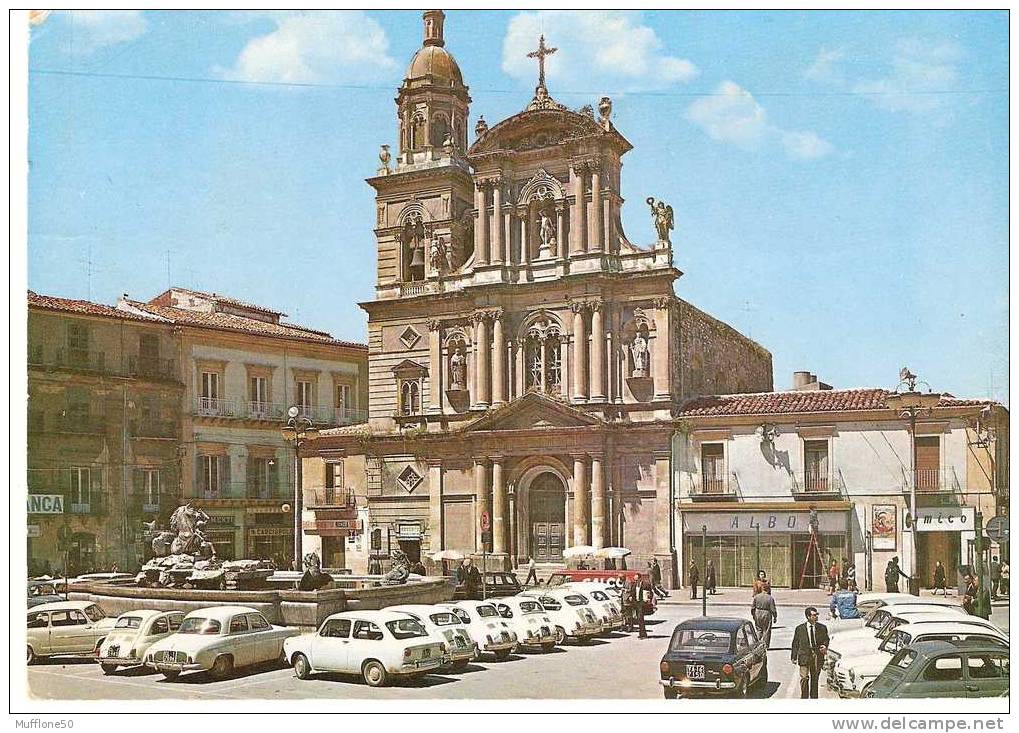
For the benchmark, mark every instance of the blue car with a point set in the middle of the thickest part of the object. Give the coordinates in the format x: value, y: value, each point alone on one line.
x: 713, y: 656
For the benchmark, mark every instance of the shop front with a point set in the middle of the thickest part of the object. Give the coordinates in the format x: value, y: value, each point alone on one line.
x: 222, y: 532
x: 270, y: 536
x: 943, y: 534
x: 738, y: 541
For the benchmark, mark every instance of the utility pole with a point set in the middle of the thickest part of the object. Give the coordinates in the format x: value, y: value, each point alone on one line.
x: 704, y: 569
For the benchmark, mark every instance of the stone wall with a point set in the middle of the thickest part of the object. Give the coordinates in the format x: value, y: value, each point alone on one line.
x: 711, y: 357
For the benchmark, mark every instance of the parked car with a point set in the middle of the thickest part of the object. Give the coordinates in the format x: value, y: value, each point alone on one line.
x: 490, y: 630
x: 570, y: 611
x: 42, y: 591
x: 868, y: 603
x: 853, y: 673
x: 132, y: 635
x: 530, y: 622
x: 713, y: 656
x: 219, y: 640
x: 608, y: 577
x: 378, y: 645
x: 67, y: 628
x: 497, y: 584
x: 446, y: 625
x: 608, y: 608
x: 944, y: 669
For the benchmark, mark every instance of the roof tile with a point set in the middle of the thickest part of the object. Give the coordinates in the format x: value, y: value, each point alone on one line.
x: 776, y: 403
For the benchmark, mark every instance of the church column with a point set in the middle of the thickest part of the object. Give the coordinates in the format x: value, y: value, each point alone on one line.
x: 579, y: 352
x: 435, y: 370
x: 560, y: 230
x: 499, y: 360
x: 581, y: 499
x: 483, y: 351
x: 597, y: 233
x: 481, y: 499
x: 497, y: 227
x: 525, y: 252
x: 435, y: 532
x: 507, y: 223
x: 481, y: 229
x: 498, y: 508
x: 597, y: 352
x: 599, y: 535
x: 661, y: 355
x: 609, y: 240
x: 578, y: 218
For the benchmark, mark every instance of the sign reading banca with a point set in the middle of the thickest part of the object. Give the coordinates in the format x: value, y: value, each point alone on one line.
x: 45, y: 504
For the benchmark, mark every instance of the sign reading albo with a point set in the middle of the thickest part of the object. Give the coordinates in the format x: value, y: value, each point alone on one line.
x: 45, y: 504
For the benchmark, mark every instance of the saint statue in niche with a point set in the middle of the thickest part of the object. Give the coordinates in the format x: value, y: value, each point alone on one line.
x: 640, y: 353
x: 546, y: 232
x: 457, y: 363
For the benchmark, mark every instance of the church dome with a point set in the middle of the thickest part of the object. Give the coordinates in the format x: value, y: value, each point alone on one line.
x: 437, y: 62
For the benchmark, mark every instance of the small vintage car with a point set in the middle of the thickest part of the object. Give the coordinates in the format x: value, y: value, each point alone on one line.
x: 67, y: 628
x: 944, y: 669
x: 378, y: 645
x: 531, y: 622
x: 490, y: 630
x: 607, y: 608
x: 854, y: 673
x: 570, y: 611
x: 133, y: 634
x: 713, y: 656
x: 869, y: 604
x: 42, y: 591
x: 446, y: 625
x: 218, y: 640
x: 612, y: 581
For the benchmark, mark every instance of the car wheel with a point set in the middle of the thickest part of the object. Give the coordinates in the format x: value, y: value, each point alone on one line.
x: 31, y: 655
x: 503, y: 654
x: 374, y: 674
x: 560, y: 635
x: 222, y: 667
x: 548, y: 646
x: 108, y: 668
x: 302, y: 667
x: 671, y: 693
x: 170, y: 674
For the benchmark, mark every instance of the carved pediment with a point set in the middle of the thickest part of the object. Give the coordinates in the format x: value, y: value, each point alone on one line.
x: 408, y: 368
x: 534, y: 411
x: 540, y: 128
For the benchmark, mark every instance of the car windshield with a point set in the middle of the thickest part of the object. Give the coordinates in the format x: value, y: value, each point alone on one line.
x: 199, y: 625
x: 701, y: 640
x: 94, y: 613
x: 599, y: 595
x: 893, y: 623
x: 129, y: 622
x: 877, y: 619
x: 530, y: 607
x: 895, y: 641
x: 406, y: 628
x: 444, y: 618
x: 575, y: 600
x: 486, y: 611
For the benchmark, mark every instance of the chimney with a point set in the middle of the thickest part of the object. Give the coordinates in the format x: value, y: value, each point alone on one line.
x: 808, y: 382
x: 801, y: 380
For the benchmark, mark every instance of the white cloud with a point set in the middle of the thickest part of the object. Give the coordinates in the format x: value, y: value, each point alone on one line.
x: 610, y: 48
x: 732, y: 115
x: 97, y: 29
x: 918, y: 72
x: 823, y: 68
x: 310, y: 47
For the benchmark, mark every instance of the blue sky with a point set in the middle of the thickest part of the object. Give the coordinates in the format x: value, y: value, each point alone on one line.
x: 839, y: 178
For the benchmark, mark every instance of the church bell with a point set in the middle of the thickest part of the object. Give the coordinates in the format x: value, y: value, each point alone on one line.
x: 418, y: 258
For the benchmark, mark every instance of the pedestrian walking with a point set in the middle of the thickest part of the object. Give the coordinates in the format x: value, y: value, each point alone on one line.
x: 532, y: 574
x: 764, y: 613
x: 969, y: 597
x: 892, y: 574
x: 810, y: 644
x: 639, y: 591
x: 761, y: 582
x: 655, y: 573
x: 995, y: 577
x: 833, y: 578
x: 710, y: 583
x: 1004, y: 577
x: 693, y: 577
x: 940, y: 579
x: 625, y: 603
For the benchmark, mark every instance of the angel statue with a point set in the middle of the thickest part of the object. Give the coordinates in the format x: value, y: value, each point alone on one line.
x: 662, y: 215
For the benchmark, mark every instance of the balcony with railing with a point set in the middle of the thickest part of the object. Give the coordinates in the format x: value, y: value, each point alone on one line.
x: 91, y: 503
x: 276, y: 412
x: 96, y: 362
x: 152, y: 367
x: 326, y: 498
x: 714, y: 487
x: 818, y: 485
x: 931, y: 481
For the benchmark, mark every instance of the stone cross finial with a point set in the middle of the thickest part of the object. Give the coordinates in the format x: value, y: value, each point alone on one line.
x: 540, y: 54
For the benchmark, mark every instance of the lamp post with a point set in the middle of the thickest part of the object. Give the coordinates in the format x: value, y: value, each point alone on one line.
x: 910, y: 405
x: 298, y: 430
x: 704, y: 567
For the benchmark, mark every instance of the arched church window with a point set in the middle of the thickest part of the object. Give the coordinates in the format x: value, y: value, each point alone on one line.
x: 417, y: 131
x: 440, y: 129
x: 535, y: 362
x: 543, y: 357
x: 414, y: 249
x: 410, y: 398
x: 553, y: 364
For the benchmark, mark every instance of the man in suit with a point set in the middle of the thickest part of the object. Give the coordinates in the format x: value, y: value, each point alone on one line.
x: 810, y: 644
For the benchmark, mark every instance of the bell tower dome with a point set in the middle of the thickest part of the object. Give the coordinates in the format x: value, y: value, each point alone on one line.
x: 432, y: 104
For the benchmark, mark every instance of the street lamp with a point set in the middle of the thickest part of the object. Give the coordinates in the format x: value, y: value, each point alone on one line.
x: 910, y: 405
x: 704, y: 565
x: 298, y: 430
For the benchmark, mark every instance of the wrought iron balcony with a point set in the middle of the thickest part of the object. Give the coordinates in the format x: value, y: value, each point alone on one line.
x: 93, y: 505
x: 323, y: 498
x: 152, y: 367
x: 931, y: 481
x: 713, y: 488
x: 818, y: 484
x: 275, y: 411
x: 215, y: 407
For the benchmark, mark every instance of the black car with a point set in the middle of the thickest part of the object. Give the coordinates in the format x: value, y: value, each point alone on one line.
x: 713, y: 656
x: 497, y: 584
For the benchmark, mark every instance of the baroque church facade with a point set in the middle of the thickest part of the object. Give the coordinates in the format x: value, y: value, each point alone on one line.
x: 526, y: 359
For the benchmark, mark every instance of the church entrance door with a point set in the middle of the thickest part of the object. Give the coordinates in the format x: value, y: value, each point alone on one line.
x: 548, y: 518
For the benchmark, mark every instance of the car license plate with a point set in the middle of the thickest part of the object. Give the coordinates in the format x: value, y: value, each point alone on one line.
x: 114, y: 651
x: 695, y: 671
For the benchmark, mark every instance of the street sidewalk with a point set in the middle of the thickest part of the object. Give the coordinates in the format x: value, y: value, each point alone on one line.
x: 783, y: 597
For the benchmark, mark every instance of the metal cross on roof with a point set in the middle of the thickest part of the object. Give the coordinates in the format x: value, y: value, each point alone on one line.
x: 540, y: 54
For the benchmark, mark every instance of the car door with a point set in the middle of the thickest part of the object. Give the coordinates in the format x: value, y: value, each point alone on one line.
x: 241, y: 642
x: 986, y: 674
x: 266, y: 642
x: 941, y: 676
x: 70, y: 632
x: 39, y: 632
x: 745, y: 654
x: 332, y: 646
x: 158, y: 628
x: 366, y: 642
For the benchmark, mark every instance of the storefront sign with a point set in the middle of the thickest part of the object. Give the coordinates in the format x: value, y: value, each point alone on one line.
x: 45, y: 504
x: 945, y: 519
x: 749, y: 522
x: 33, y: 530
x: 270, y: 531
x: 333, y: 527
x: 882, y: 526
x: 218, y: 520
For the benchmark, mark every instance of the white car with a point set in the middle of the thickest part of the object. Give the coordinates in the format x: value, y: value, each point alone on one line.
x: 485, y: 626
x: 867, y: 603
x: 878, y: 617
x: 378, y: 645
x: 446, y: 625
x: 531, y: 622
x: 570, y: 611
x: 66, y: 628
x: 608, y: 608
x: 133, y: 634
x: 854, y: 673
x: 218, y: 640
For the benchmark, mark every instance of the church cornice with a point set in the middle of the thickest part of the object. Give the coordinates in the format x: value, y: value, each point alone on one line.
x: 403, y: 177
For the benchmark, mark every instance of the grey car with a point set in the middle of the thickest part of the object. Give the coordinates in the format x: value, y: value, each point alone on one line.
x: 944, y: 669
